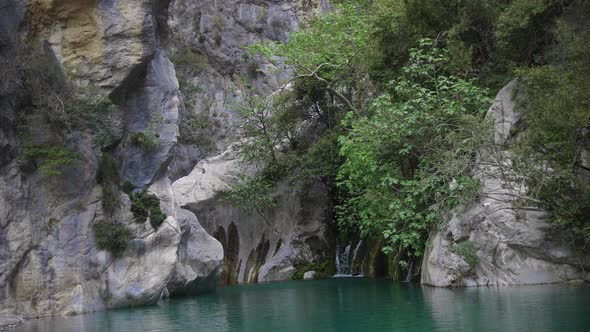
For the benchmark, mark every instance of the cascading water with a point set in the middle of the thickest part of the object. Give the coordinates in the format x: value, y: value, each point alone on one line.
x: 337, y: 257
x: 343, y: 267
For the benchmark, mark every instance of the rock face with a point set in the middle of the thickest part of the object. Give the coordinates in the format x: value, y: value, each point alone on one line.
x: 259, y: 245
x: 132, y: 52
x: 512, y: 246
x: 212, y: 34
x: 49, y: 263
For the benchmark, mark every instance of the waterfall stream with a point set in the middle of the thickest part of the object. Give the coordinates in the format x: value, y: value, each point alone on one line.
x: 409, y: 275
x: 343, y: 261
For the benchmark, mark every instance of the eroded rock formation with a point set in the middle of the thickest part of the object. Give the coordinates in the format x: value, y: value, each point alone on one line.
x: 131, y: 51
x: 512, y: 246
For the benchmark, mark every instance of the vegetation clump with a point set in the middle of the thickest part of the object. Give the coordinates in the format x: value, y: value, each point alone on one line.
x: 408, y: 160
x: 147, y: 140
x: 111, y: 236
x: 145, y: 205
x: 197, y: 130
x: 127, y: 187
x: 51, y: 159
x: 190, y: 61
x: 322, y: 270
x: 467, y: 250
x: 107, y: 175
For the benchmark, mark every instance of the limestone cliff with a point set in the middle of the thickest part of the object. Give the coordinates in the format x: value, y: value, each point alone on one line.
x: 49, y: 263
x: 259, y: 245
x: 502, y: 244
x: 135, y: 52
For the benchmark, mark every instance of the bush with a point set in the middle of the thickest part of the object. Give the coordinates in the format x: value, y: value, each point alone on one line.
x: 144, y: 206
x: 50, y: 158
x: 127, y: 187
x: 549, y: 159
x: 409, y: 161
x: 490, y: 37
x: 148, y: 140
x: 192, y: 62
x: 196, y: 129
x: 33, y: 73
x: 107, y: 175
x: 466, y: 249
x: 111, y: 236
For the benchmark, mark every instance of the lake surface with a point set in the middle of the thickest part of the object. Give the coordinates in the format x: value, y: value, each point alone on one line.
x: 349, y: 304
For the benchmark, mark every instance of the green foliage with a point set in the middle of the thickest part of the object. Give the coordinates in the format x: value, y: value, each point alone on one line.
x: 467, y: 250
x: 328, y: 51
x: 252, y: 194
x: 147, y: 140
x: 551, y: 156
x: 409, y: 161
x: 38, y: 79
x: 196, y: 129
x: 107, y: 175
x: 263, y: 130
x: 111, y: 236
x: 50, y: 159
x: 190, y: 61
x: 145, y: 205
x: 322, y: 269
x: 127, y: 187
x: 334, y: 39
x: 487, y: 38
x: 94, y: 112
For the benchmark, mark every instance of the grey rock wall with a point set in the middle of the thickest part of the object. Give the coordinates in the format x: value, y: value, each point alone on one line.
x: 49, y: 263
x: 259, y: 245
x: 513, y: 246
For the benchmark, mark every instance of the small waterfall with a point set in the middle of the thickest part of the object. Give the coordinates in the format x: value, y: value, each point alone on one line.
x: 343, y: 262
x: 409, y: 275
x: 337, y: 257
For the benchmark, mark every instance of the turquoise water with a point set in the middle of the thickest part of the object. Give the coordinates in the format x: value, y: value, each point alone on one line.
x: 350, y: 304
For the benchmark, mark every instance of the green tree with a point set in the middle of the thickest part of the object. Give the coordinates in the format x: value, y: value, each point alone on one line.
x: 487, y: 38
x: 409, y: 160
x: 551, y: 158
x: 328, y: 51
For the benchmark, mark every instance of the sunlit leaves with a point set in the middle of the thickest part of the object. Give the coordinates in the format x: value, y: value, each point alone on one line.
x: 409, y: 161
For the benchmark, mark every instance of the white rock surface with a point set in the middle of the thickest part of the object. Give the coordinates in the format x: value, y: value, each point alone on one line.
x: 309, y: 275
x: 514, y: 247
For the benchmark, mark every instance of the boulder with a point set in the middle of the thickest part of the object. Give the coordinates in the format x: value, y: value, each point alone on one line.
x: 309, y: 275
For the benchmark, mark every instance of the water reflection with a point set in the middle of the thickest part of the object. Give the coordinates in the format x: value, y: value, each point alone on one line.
x: 530, y: 308
x: 349, y: 305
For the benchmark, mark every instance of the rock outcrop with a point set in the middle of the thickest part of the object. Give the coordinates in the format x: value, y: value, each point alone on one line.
x: 49, y: 263
x: 266, y: 244
x: 507, y: 245
x: 132, y: 51
x: 259, y: 245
